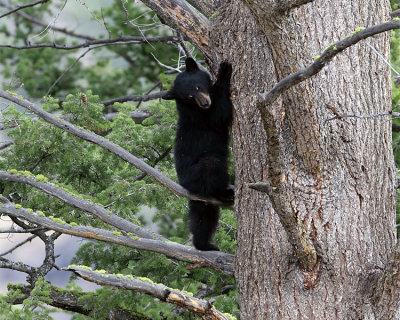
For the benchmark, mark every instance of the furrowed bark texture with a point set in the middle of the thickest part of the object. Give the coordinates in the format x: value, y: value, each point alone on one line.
x: 339, y: 175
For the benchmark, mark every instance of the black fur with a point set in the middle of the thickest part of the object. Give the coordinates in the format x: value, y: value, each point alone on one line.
x: 201, y: 144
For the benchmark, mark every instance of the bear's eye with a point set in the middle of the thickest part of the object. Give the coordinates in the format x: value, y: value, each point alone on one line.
x: 197, y: 88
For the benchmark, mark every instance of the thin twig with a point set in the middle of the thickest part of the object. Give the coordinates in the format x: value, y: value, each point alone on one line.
x: 53, y: 22
x: 156, y: 85
x: 144, y: 97
x: 19, y: 244
x: 365, y: 116
x: 88, y: 43
x: 23, y: 7
x: 382, y: 57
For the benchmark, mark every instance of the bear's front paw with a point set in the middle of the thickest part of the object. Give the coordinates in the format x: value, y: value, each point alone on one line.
x: 225, y: 72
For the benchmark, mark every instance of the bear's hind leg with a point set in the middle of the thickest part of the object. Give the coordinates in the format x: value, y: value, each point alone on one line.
x: 203, y: 223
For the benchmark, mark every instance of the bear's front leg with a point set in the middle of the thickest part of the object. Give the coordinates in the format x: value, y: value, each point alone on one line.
x: 224, y: 75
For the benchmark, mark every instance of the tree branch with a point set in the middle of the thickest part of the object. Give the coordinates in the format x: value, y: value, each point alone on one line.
x: 19, y: 244
x: 48, y: 240
x: 322, y: 60
x: 109, y: 146
x: 184, y: 18
x: 88, y: 43
x: 135, y: 115
x: 280, y: 190
x: 17, y: 266
x: 213, y: 259
x: 23, y: 7
x: 202, y: 308
x: 395, y: 13
x: 43, y: 24
x: 144, y: 97
x: 79, y: 203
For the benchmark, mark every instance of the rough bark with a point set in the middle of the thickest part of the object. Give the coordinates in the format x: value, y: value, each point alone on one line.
x: 339, y: 175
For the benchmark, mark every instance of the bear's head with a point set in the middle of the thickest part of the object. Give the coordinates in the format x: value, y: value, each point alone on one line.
x: 191, y: 87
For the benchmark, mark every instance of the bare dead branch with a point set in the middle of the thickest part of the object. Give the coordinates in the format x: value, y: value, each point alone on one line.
x: 18, y: 266
x: 395, y: 13
x: 364, y: 116
x: 260, y: 186
x: 202, y: 308
x: 322, y: 60
x: 144, y: 97
x: 19, y: 244
x: 109, y: 146
x: 82, y: 204
x: 156, y: 85
x: 213, y: 259
x: 184, y: 18
x: 120, y: 40
x: 135, y: 115
x: 23, y: 7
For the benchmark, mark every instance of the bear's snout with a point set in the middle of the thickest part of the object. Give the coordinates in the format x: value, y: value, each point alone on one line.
x: 203, y: 100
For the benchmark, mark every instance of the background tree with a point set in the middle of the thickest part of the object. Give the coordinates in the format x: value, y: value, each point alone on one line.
x: 315, y: 180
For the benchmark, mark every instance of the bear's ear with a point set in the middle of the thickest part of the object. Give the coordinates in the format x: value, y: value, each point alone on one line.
x: 191, y: 65
x: 170, y: 95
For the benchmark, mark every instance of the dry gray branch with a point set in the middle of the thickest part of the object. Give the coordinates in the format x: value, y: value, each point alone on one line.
x: 88, y: 206
x: 202, y: 308
x: 213, y: 259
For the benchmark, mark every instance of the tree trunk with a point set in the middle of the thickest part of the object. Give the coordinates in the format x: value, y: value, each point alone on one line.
x: 339, y: 174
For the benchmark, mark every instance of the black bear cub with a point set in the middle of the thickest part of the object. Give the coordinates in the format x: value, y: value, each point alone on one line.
x: 201, y: 144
